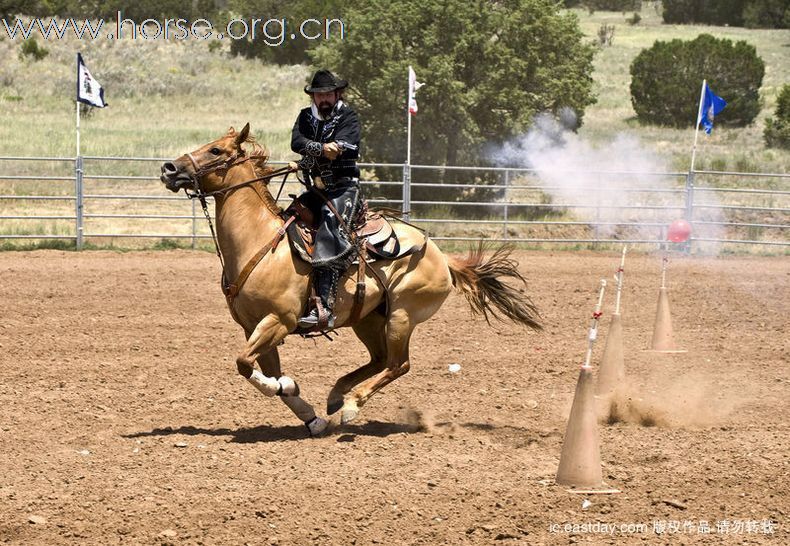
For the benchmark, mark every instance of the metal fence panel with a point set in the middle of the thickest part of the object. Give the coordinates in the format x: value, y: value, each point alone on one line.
x: 105, y: 198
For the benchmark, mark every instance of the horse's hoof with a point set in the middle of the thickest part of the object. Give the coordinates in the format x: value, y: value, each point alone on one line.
x: 316, y: 426
x: 333, y: 405
x: 348, y: 415
x: 288, y: 387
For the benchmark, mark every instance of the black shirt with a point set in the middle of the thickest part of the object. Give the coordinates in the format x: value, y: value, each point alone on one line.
x: 310, y: 133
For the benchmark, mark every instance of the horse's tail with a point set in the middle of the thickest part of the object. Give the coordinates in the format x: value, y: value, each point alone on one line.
x: 480, y: 281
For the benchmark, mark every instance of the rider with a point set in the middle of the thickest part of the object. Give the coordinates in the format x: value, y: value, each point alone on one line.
x: 327, y: 135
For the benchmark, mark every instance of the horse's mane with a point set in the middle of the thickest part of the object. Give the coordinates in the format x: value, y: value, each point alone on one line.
x: 259, y: 154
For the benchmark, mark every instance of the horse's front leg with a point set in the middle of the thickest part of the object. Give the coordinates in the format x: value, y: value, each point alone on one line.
x: 270, y: 365
x: 261, y: 346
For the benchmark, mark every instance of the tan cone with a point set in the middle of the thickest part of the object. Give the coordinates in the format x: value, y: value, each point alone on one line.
x: 580, y: 460
x: 612, y: 370
x: 663, y: 340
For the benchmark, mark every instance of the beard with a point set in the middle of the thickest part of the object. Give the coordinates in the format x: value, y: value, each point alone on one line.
x: 324, y: 108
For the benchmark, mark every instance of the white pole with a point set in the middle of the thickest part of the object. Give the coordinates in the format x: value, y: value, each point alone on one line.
x: 620, y: 281
x: 696, y: 129
x: 78, y: 128
x: 594, y: 327
x: 408, y: 120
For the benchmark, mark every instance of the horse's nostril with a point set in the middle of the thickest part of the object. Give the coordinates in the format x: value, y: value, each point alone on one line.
x: 169, y: 168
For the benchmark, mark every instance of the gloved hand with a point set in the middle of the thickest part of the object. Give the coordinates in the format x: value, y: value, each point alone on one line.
x: 331, y: 150
x: 293, y: 166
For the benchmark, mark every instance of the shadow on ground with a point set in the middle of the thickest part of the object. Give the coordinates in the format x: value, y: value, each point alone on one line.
x: 268, y: 433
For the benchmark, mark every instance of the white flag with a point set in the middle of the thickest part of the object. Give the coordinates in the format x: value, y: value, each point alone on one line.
x: 89, y: 90
x: 414, y: 85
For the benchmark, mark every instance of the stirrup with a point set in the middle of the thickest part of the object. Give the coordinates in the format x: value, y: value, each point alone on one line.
x: 311, y: 320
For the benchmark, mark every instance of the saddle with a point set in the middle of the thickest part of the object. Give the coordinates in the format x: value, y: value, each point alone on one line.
x: 372, y: 228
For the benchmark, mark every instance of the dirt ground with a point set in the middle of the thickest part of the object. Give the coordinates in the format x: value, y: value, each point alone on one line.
x: 123, y: 419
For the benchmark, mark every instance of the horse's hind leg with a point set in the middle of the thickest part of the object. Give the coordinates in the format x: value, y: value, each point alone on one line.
x: 398, y: 333
x: 371, y: 332
x: 270, y: 366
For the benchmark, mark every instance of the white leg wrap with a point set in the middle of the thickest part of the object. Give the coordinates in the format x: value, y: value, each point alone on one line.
x: 288, y: 385
x: 267, y: 385
x: 301, y: 409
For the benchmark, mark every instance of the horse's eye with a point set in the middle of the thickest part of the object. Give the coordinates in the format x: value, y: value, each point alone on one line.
x: 215, y: 151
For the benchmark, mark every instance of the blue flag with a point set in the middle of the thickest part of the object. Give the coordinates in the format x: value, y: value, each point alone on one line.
x: 710, y: 107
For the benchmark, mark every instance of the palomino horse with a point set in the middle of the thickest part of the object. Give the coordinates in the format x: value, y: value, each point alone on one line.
x: 273, y: 284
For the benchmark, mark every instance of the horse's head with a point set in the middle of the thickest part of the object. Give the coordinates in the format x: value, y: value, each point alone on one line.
x: 207, y: 166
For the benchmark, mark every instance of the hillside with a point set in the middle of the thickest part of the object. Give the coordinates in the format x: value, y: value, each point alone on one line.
x: 167, y: 97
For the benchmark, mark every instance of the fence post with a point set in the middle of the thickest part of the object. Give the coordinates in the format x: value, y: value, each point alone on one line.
x: 78, y: 193
x: 689, y: 215
x: 507, y: 183
x: 194, y: 224
x: 406, y: 191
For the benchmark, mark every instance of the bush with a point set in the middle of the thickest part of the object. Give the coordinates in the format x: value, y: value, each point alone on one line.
x: 613, y: 5
x: 767, y: 14
x: 750, y: 13
x: 605, y: 35
x: 666, y: 80
x: 777, y: 131
x: 30, y: 48
x: 713, y: 12
x: 290, y: 51
x: 635, y: 19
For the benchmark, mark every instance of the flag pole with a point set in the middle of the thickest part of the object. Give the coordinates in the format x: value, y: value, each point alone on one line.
x: 408, y: 122
x: 696, y: 128
x: 78, y: 127
x: 406, y: 193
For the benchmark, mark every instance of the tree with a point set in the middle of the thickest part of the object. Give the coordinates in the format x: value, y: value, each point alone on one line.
x: 767, y: 14
x: 750, y: 13
x: 712, y: 12
x: 488, y: 69
x: 666, y: 80
x: 290, y: 51
x: 777, y: 131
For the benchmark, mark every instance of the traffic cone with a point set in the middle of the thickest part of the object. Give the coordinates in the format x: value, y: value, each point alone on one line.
x: 580, y: 460
x: 612, y: 370
x: 663, y: 340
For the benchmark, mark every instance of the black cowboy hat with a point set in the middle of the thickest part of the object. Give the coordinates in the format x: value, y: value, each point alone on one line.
x: 324, y: 82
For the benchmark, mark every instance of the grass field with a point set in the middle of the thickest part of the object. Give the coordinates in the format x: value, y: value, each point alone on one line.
x: 169, y: 97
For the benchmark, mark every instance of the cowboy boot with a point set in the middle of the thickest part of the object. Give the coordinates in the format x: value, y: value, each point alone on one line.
x: 326, y: 288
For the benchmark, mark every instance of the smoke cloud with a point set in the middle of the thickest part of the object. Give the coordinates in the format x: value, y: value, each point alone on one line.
x: 617, y: 182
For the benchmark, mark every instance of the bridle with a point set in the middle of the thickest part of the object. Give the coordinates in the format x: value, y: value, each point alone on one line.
x: 236, y: 158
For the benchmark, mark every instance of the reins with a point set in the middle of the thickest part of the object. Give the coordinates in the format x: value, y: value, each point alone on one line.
x: 232, y: 289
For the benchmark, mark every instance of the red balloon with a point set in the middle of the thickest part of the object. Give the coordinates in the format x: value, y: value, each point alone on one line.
x: 679, y: 231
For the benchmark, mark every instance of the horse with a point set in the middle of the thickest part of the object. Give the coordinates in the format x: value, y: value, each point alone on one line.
x: 273, y: 284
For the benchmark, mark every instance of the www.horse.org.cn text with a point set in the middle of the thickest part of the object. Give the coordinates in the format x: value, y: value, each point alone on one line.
x: 271, y: 31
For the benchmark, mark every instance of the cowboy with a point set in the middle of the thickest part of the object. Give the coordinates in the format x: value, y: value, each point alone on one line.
x: 327, y: 135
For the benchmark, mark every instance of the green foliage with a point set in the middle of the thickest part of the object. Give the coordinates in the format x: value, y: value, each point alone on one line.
x: 30, y: 48
x: 612, y: 5
x: 605, y: 35
x: 108, y: 9
x: 767, y: 14
x: 777, y: 131
x: 290, y: 51
x: 666, y: 80
x: 713, y: 12
x: 635, y: 19
x: 488, y: 69
x: 750, y: 13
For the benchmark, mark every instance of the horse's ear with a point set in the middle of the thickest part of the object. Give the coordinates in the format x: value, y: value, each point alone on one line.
x: 242, y: 136
x: 231, y: 131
